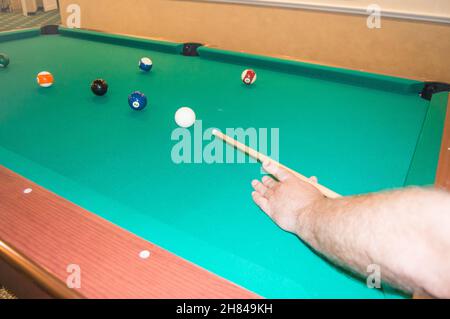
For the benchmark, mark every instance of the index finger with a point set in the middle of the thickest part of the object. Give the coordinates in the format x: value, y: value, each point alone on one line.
x: 280, y: 173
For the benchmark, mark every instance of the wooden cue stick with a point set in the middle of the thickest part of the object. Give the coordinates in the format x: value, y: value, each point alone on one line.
x: 263, y: 158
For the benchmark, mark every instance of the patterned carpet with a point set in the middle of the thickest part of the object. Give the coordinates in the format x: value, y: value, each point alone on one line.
x: 5, y: 294
x: 12, y: 21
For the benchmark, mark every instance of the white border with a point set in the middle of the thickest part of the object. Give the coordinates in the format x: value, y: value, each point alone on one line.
x: 340, y: 9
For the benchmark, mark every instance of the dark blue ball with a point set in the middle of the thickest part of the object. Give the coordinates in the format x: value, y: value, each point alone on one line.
x: 137, y: 100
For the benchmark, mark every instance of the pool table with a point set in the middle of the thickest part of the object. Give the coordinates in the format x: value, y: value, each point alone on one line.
x: 85, y: 181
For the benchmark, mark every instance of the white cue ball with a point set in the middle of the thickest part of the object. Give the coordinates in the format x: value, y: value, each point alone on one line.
x: 185, y: 117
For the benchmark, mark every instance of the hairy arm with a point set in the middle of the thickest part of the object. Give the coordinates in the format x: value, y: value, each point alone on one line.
x: 406, y: 232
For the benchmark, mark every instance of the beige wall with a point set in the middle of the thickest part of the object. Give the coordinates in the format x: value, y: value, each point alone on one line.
x: 405, y: 48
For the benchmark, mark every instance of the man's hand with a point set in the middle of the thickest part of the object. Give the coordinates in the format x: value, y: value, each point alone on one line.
x: 403, y: 231
x: 285, y: 198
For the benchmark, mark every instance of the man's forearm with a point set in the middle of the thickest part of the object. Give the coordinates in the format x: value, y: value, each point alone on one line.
x: 405, y: 232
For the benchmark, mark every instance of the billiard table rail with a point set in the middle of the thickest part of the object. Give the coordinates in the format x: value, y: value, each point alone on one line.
x: 194, y: 49
x: 49, y: 233
x: 28, y: 278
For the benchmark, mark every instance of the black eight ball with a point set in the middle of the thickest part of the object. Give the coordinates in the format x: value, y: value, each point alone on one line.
x: 99, y: 87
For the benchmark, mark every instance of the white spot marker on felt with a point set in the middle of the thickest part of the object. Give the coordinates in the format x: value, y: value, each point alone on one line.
x: 144, y: 254
x: 27, y: 190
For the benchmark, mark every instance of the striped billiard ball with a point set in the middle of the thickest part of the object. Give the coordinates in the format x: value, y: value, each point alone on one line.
x: 45, y: 79
x: 248, y: 77
x: 145, y: 64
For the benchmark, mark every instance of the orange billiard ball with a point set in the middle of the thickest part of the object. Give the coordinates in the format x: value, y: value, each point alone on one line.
x: 45, y: 79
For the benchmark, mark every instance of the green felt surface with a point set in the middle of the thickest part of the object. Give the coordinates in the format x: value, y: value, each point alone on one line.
x: 116, y: 162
